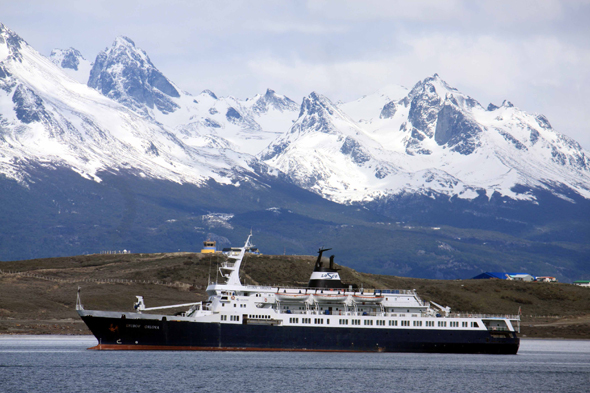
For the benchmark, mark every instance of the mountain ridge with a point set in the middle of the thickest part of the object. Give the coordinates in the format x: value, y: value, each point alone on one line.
x: 435, y: 136
x: 399, y: 158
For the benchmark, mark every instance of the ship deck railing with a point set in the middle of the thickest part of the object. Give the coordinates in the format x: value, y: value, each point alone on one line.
x: 396, y: 314
x: 485, y: 316
x: 352, y: 313
x: 345, y: 291
x: 259, y: 287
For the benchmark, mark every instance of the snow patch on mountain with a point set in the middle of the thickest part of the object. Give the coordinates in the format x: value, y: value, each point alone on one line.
x: 370, y: 106
x: 274, y: 112
x: 217, y: 220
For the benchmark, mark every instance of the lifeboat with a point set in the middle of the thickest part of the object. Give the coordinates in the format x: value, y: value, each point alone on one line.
x: 330, y: 297
x: 293, y: 297
x: 367, y: 298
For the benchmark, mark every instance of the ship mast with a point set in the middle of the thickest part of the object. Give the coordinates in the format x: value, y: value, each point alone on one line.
x: 230, y: 269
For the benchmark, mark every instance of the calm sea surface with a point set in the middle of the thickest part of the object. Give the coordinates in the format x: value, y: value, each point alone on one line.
x: 62, y: 364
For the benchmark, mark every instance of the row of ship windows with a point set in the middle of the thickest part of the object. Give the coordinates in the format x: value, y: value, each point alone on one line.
x: 341, y: 310
x: 316, y: 321
x: 379, y: 322
x: 253, y: 316
x: 357, y: 322
x: 231, y: 318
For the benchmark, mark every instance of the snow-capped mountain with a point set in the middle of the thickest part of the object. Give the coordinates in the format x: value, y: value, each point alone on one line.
x: 429, y: 140
x: 432, y: 141
x: 122, y: 155
x: 73, y: 63
x: 49, y: 119
x: 271, y: 101
x: 327, y: 152
x: 126, y: 74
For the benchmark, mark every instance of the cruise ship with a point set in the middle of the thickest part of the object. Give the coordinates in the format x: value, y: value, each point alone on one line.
x: 327, y: 315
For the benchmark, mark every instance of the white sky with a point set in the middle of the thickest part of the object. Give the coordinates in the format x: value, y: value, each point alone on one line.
x: 535, y: 53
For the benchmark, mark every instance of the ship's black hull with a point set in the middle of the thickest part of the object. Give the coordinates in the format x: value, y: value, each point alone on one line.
x: 155, y: 334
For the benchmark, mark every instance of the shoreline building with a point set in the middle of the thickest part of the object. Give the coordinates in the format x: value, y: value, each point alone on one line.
x: 209, y: 247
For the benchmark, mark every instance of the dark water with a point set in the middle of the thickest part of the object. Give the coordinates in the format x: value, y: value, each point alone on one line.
x: 62, y: 364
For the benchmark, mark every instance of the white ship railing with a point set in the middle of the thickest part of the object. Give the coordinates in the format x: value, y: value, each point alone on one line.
x: 391, y: 314
x: 484, y: 316
x: 259, y: 287
x: 377, y: 292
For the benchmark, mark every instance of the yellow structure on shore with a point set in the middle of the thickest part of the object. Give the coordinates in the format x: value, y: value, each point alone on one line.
x: 209, y: 247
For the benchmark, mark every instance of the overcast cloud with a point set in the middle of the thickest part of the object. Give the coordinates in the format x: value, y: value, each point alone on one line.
x: 534, y: 53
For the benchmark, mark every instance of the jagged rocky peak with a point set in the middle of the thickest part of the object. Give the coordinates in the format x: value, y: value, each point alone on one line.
x: 272, y: 100
x: 432, y: 85
x: 316, y: 104
x: 425, y: 100
x: 10, y: 44
x: 316, y: 115
x: 316, y: 111
x: 66, y: 58
x: 126, y: 74
x: 436, y: 111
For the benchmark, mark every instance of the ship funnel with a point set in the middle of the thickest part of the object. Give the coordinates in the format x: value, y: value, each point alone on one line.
x: 325, y: 277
